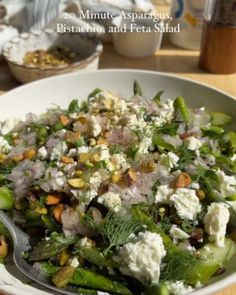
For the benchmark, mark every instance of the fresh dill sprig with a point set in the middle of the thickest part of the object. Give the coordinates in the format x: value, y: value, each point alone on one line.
x: 186, y: 156
x: 116, y: 229
x: 176, y: 263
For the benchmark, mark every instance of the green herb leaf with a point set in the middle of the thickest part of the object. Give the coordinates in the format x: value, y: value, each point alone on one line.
x: 73, y: 106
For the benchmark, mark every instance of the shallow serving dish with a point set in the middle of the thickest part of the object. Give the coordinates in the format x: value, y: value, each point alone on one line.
x: 87, y: 48
x: 38, y: 96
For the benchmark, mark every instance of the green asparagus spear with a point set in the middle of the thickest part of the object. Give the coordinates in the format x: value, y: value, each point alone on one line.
x: 90, y: 279
x: 181, y: 106
x: 220, y: 119
x: 160, y: 289
x: 157, y: 97
x: 48, y: 222
x: 49, y: 248
x: 6, y: 198
x: 96, y: 257
x: 160, y: 142
x: 230, y: 138
x: 137, y: 88
x: 83, y: 291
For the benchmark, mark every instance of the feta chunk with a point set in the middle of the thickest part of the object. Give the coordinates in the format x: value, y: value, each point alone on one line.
x: 104, y: 152
x: 179, y: 288
x: 142, y: 257
x: 118, y: 162
x: 145, y: 144
x: 227, y: 184
x: 186, y: 203
x: 58, y: 151
x: 169, y: 161
x: 83, y: 149
x: 215, y: 222
x: 233, y: 158
x: 193, y: 143
x: 4, y: 146
x: 95, y: 128
x: 163, y: 194
x: 107, y: 100
x: 111, y: 201
x: 8, y: 125
x: 74, y: 262
x: 42, y: 153
x: 177, y: 233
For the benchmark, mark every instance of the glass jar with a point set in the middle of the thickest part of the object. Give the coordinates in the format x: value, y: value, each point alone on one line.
x: 218, y: 46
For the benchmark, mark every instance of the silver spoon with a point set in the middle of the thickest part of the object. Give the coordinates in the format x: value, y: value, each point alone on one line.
x: 21, y: 244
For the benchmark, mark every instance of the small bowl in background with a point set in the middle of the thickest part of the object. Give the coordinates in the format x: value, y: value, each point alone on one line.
x: 130, y: 43
x: 87, y: 48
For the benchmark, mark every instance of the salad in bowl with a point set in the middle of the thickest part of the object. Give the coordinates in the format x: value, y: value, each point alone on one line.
x: 123, y: 195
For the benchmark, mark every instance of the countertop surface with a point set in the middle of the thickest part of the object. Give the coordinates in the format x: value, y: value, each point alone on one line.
x: 169, y: 59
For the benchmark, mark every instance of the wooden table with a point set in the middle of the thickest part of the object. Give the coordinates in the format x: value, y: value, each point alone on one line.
x: 169, y: 59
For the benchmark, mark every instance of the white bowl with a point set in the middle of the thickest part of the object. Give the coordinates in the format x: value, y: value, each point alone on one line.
x: 38, y: 96
x: 85, y: 46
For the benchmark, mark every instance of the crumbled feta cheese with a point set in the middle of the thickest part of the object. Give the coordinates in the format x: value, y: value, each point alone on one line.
x: 186, y: 203
x: 118, y: 162
x: 8, y: 125
x: 215, y: 222
x: 42, y: 153
x: 83, y: 149
x: 107, y: 100
x: 58, y: 151
x: 104, y: 152
x: 173, y: 159
x: 193, y: 143
x: 145, y: 144
x: 142, y: 257
x: 177, y: 233
x: 169, y: 161
x: 74, y: 262
x: 4, y: 146
x: 95, y: 180
x: 179, y: 288
x: 95, y: 128
x: 166, y: 113
x: 227, y: 184
x: 186, y: 246
x: 194, y: 185
x: 72, y: 153
x: 111, y: 201
x: 233, y: 158
x: 163, y: 194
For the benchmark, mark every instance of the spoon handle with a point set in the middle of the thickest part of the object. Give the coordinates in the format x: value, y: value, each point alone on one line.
x: 20, y: 239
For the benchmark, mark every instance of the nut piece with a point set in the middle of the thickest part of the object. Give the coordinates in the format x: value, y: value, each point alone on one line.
x: 183, y: 180
x: 57, y: 212
x: 29, y: 154
x: 101, y: 141
x: 3, y: 247
x: 72, y: 137
x: 64, y: 120
x: 77, y: 182
x: 18, y: 158
x: 67, y: 160
x: 200, y: 194
x: 84, y: 157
